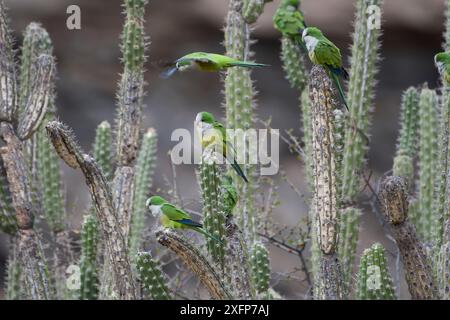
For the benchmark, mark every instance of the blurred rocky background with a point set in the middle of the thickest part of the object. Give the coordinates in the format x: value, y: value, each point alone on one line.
x: 88, y: 71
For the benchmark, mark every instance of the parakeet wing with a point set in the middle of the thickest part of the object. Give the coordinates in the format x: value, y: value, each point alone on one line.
x: 174, y: 213
x: 228, y: 146
x: 326, y: 53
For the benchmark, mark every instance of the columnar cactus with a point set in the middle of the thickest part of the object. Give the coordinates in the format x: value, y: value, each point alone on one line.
x: 428, y: 164
x: 260, y: 262
x: 239, y: 101
x: 8, y: 223
x: 407, y: 140
x: 360, y: 96
x: 131, y: 86
x: 88, y: 264
x: 152, y: 278
x: 103, y: 148
x: 14, y: 288
x: 418, y: 270
x: 8, y: 76
x: 374, y: 279
x: 143, y: 181
x: 325, y: 197
x: 443, y: 271
x: 214, y: 216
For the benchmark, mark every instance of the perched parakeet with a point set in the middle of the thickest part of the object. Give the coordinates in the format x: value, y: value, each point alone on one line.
x: 289, y: 20
x: 229, y: 194
x: 323, y: 52
x: 213, y: 134
x: 442, y: 62
x: 210, y: 62
x: 173, y: 217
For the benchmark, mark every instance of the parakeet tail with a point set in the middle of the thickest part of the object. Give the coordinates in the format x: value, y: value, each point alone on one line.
x: 238, y: 170
x: 200, y: 230
x: 338, y: 85
x: 168, y: 73
x: 248, y: 64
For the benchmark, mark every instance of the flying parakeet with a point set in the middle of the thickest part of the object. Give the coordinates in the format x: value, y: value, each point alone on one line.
x: 173, y: 217
x: 209, y: 62
x: 323, y: 52
x: 213, y: 134
x: 229, y: 194
x: 289, y: 20
x: 442, y: 62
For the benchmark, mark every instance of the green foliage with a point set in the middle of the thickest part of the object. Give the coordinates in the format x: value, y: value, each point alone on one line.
x: 151, y: 277
x: 374, y: 279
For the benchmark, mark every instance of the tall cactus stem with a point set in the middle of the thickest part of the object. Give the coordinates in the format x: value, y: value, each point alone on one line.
x: 88, y: 264
x: 374, y: 279
x: 152, y: 278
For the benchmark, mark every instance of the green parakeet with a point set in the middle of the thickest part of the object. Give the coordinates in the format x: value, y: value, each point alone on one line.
x: 442, y: 62
x: 290, y: 21
x: 209, y: 62
x: 213, y: 134
x: 323, y: 52
x: 173, y: 217
x: 229, y: 194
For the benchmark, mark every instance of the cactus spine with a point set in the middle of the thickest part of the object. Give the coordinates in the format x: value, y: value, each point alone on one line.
x: 152, y: 277
x: 88, y: 263
x: 374, y: 279
x: 143, y: 181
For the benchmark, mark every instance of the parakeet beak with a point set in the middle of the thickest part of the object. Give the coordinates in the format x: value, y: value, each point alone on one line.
x: 304, y: 34
x: 148, y: 203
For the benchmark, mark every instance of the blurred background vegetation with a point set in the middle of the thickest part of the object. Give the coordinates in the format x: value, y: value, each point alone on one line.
x: 88, y: 71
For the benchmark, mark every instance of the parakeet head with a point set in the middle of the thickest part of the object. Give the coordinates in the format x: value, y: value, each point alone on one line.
x: 154, y: 204
x: 311, y: 32
x: 441, y: 59
x: 204, y: 117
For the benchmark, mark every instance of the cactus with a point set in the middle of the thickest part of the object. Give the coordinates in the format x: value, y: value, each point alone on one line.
x: 443, y: 274
x: 428, y: 164
x: 102, y: 148
x: 143, y: 181
x: 366, y: 42
x: 88, y: 263
x: 374, y: 279
x: 36, y: 42
x: 260, y: 267
x: 8, y: 223
x: 239, y: 101
x: 8, y: 75
x: 152, y: 277
x: 325, y: 197
x: 214, y: 221
x: 441, y: 202
x: 349, y: 218
x: 406, y: 144
x: 14, y: 288
x: 131, y: 86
